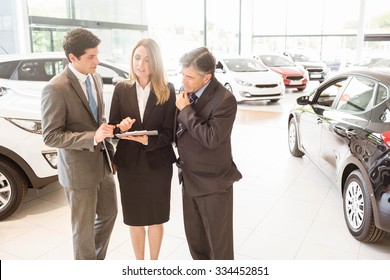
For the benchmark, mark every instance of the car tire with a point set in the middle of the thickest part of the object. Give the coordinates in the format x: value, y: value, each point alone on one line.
x: 293, y: 139
x: 358, y: 211
x: 13, y: 188
x: 274, y: 100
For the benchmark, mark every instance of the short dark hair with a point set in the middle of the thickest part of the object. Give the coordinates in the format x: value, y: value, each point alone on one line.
x: 78, y: 40
x: 201, y: 59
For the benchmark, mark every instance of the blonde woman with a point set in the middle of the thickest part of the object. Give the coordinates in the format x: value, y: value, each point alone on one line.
x: 144, y: 163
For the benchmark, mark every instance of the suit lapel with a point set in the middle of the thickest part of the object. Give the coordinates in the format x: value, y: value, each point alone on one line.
x: 208, y: 93
x: 81, y: 94
x: 100, y: 102
x: 74, y: 82
x: 133, y: 101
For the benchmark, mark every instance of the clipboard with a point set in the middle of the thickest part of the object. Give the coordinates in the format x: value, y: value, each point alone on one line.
x: 137, y: 133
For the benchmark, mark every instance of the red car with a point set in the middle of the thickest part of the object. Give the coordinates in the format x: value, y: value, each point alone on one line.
x: 294, y: 76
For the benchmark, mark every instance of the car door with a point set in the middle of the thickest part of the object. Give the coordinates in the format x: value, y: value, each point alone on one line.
x: 312, y: 118
x: 343, y: 124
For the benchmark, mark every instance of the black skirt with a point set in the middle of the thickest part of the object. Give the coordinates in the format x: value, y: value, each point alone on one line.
x: 145, y: 193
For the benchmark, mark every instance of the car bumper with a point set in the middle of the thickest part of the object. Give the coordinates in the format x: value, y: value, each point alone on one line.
x: 255, y: 93
x: 295, y: 83
x: 251, y: 96
x: 32, y: 155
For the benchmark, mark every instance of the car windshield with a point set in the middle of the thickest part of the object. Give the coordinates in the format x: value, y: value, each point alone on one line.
x: 276, y: 61
x: 244, y: 65
x: 301, y: 58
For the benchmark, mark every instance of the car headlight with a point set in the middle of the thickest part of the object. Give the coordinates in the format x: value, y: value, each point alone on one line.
x: 243, y: 83
x: 33, y: 126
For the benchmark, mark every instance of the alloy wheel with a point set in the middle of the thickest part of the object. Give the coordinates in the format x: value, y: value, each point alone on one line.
x: 354, y: 205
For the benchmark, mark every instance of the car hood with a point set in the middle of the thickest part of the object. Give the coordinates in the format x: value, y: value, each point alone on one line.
x: 257, y: 77
x: 26, y: 105
x: 288, y: 71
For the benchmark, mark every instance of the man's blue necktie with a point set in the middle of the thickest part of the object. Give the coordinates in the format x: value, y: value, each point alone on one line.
x: 91, y: 99
x: 180, y: 126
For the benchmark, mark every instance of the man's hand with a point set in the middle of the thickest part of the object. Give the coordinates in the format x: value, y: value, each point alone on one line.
x: 182, y: 100
x: 104, y: 131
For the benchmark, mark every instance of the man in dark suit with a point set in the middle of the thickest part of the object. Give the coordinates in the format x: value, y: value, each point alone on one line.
x: 206, y: 167
x: 78, y: 129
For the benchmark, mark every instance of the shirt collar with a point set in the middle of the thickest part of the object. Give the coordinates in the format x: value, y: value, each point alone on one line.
x: 201, y: 90
x: 147, y: 88
x: 80, y: 76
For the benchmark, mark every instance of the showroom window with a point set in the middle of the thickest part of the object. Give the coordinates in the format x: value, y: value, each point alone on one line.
x: 325, y: 30
x: 119, y: 27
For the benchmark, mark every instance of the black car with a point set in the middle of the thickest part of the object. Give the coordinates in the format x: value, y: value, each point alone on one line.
x: 343, y: 126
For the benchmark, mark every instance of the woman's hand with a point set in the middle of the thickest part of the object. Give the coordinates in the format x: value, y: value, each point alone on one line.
x: 143, y: 139
x: 125, y: 124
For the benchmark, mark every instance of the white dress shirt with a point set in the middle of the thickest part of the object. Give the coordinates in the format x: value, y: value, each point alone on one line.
x: 142, y: 97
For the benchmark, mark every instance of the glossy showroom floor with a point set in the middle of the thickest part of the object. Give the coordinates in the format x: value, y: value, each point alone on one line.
x: 284, y: 208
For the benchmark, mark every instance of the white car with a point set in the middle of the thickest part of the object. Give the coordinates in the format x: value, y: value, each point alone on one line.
x: 25, y: 161
x: 31, y: 72
x: 249, y: 79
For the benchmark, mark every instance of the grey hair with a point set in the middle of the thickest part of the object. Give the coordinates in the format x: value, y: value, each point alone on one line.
x: 201, y: 59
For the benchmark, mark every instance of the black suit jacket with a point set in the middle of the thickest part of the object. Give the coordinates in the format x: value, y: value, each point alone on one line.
x: 205, y: 146
x: 159, y: 151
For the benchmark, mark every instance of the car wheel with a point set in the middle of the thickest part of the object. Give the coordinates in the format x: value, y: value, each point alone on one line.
x: 13, y: 188
x: 229, y: 87
x: 293, y: 139
x: 358, y: 211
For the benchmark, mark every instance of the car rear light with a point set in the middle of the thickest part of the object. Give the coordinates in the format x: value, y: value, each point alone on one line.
x: 386, y: 138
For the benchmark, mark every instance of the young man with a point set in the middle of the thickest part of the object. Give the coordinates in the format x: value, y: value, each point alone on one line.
x: 73, y: 121
x: 206, y: 167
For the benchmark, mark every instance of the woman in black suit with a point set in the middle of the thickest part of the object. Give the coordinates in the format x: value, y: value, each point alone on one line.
x: 144, y: 163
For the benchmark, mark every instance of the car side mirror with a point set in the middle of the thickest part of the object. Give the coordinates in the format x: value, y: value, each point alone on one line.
x: 303, y: 100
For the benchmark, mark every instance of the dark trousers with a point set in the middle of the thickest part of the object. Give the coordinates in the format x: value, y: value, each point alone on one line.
x: 208, y: 222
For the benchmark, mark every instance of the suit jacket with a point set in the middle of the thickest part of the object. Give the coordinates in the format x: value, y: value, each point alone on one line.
x: 205, y: 155
x: 159, y: 151
x: 68, y: 124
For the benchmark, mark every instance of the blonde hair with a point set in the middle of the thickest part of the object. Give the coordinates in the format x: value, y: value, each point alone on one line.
x: 158, y: 77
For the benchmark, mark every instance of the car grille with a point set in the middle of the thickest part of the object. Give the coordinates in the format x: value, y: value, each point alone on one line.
x: 265, y: 95
x: 294, y: 78
x: 266, y: 85
x: 314, y: 70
